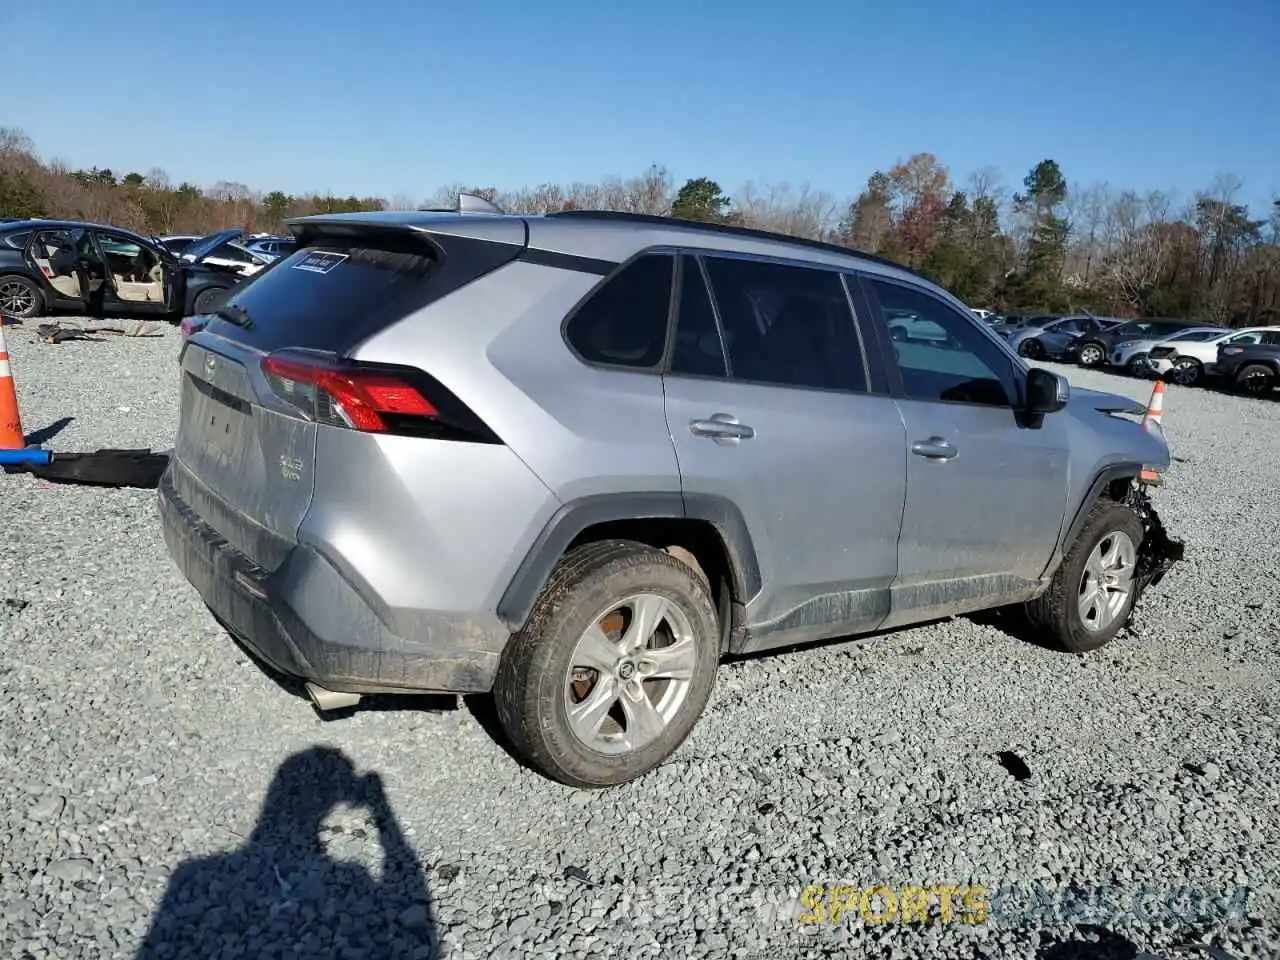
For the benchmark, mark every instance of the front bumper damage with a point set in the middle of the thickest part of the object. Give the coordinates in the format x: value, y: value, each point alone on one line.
x: 1158, y: 551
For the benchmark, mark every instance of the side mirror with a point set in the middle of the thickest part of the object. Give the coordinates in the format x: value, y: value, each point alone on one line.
x: 1046, y: 392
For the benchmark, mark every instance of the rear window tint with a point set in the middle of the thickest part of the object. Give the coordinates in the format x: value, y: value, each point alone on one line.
x: 332, y: 295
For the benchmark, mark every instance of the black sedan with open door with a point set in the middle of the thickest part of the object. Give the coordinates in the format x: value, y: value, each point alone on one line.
x: 91, y: 269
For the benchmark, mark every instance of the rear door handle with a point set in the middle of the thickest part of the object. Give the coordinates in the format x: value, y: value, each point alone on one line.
x: 722, y: 428
x: 935, y: 448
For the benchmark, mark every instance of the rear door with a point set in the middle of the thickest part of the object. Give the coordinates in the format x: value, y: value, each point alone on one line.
x: 769, y: 404
x: 986, y: 493
x: 53, y: 254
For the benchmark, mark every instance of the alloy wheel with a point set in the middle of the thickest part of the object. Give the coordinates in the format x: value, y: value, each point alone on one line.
x: 629, y: 674
x: 17, y: 298
x: 1107, y: 581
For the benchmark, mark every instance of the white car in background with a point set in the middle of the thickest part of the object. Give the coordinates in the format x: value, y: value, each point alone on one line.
x: 1186, y: 362
x: 1132, y: 355
x: 226, y: 249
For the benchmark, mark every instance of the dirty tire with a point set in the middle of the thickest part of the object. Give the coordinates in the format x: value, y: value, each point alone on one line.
x: 529, y: 691
x: 1057, y: 611
x: 20, y: 297
x: 208, y: 300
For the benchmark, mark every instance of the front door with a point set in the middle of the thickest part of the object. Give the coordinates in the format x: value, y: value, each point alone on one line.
x: 134, y: 273
x: 768, y: 408
x: 986, y: 492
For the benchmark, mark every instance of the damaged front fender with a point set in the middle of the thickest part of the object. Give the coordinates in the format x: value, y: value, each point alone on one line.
x: 1159, y: 551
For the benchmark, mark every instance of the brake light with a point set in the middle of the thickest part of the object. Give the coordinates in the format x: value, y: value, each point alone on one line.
x: 365, y: 400
x: 192, y: 325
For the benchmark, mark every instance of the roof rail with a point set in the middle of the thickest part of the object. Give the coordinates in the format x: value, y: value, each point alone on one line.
x: 734, y: 231
x: 467, y: 203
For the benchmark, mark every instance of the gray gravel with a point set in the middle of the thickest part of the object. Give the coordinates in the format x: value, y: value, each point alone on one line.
x: 154, y: 776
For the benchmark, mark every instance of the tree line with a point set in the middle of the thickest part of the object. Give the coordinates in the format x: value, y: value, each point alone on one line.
x: 1048, y: 246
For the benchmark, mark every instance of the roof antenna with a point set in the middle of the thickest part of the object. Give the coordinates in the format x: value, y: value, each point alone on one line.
x: 472, y: 203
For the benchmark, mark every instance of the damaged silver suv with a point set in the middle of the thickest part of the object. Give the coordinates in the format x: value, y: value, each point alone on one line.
x: 576, y: 459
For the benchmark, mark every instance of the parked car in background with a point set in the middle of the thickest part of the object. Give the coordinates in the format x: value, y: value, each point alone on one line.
x: 1131, y: 354
x: 575, y: 459
x: 224, y: 249
x: 93, y: 269
x: 1187, y: 362
x: 1098, y: 349
x: 907, y: 326
x: 271, y: 248
x: 1252, y: 368
x: 1007, y: 323
x: 1051, y: 339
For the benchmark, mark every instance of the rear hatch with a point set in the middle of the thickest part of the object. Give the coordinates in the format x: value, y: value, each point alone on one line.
x: 273, y: 363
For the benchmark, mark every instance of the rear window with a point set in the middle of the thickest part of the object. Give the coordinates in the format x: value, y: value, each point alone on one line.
x: 334, y: 294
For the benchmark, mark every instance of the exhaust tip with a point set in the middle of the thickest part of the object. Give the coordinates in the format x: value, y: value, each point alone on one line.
x: 327, y: 700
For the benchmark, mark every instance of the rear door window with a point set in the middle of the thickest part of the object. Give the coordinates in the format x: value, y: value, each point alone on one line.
x: 698, y: 351
x: 786, y: 325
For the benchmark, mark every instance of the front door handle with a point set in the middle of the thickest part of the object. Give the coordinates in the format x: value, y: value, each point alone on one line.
x: 722, y: 428
x: 935, y: 448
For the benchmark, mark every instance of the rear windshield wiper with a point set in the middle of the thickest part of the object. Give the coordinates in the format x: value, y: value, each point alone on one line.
x: 233, y: 314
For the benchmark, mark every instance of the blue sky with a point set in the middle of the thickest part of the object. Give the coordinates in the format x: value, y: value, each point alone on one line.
x: 402, y: 96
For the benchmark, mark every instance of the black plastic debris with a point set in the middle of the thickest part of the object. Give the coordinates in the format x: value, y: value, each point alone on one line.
x: 102, y: 468
x: 1014, y: 764
x: 577, y: 873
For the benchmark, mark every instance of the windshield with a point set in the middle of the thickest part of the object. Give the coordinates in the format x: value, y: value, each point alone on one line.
x: 1198, y: 335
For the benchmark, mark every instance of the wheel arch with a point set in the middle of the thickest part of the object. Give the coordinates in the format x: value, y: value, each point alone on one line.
x: 707, y: 526
x: 1111, y: 482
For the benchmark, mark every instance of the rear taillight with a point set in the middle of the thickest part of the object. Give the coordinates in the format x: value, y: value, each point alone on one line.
x: 371, y: 399
x: 192, y: 325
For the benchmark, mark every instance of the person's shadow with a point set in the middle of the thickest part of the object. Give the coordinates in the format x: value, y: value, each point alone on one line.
x: 282, y: 895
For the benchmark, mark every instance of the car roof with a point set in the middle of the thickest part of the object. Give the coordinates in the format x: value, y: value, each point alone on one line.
x: 18, y: 226
x: 615, y: 236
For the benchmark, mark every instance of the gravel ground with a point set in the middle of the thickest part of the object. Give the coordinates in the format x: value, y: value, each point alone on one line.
x: 155, y: 778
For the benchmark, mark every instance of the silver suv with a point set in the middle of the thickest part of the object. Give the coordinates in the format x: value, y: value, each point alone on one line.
x: 576, y: 459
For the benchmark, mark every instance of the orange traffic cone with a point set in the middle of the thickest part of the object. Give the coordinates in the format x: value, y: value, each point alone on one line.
x: 1155, y: 409
x: 11, y: 435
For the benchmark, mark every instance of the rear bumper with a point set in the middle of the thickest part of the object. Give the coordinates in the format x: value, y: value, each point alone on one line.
x: 305, y: 620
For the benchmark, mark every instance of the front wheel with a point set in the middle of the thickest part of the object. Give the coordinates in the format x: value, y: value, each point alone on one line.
x: 1137, y: 366
x: 208, y: 300
x: 1091, y: 596
x: 1255, y: 379
x: 614, y: 666
x: 1091, y: 355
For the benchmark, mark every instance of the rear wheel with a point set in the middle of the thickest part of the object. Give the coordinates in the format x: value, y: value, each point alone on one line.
x: 1091, y: 596
x: 20, y: 298
x: 1091, y: 355
x: 1255, y: 379
x: 614, y: 666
